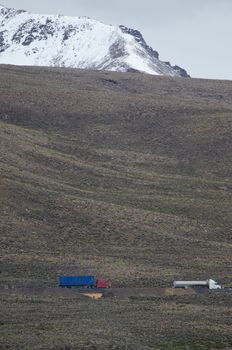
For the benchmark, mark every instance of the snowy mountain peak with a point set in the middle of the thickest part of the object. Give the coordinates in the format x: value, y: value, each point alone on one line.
x: 78, y: 42
x: 7, y: 12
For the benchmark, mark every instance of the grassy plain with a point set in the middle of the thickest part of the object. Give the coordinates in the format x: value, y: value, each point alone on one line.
x: 125, y: 176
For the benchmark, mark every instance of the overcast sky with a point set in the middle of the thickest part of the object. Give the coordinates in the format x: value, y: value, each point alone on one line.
x: 194, y: 34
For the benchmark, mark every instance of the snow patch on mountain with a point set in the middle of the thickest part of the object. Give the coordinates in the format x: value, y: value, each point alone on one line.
x: 78, y: 42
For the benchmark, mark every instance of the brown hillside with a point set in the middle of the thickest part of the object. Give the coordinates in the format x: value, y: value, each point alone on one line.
x: 126, y: 176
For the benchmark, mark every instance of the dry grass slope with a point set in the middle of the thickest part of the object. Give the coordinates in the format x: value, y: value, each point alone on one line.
x: 127, y: 176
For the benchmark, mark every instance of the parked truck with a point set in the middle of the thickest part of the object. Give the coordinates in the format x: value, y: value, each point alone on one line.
x: 83, y: 282
x: 210, y: 284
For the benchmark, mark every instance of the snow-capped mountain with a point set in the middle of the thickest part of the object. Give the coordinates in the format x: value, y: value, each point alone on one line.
x: 78, y: 42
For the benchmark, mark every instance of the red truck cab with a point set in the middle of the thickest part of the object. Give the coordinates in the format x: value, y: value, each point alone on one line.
x: 102, y: 283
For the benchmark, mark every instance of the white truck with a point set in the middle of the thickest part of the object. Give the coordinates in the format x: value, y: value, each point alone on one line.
x: 210, y: 284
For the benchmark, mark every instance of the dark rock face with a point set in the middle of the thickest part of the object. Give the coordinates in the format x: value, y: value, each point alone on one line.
x: 117, y: 50
x: 1, y: 38
x: 139, y: 38
x: 31, y: 31
x: 181, y: 71
x: 68, y: 32
x: 19, y: 34
x: 47, y: 29
x: 9, y: 12
x: 132, y: 70
x: 3, y: 45
x: 28, y: 40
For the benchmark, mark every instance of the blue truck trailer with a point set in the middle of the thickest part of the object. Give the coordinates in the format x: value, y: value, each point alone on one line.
x: 76, y: 281
x: 83, y: 282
